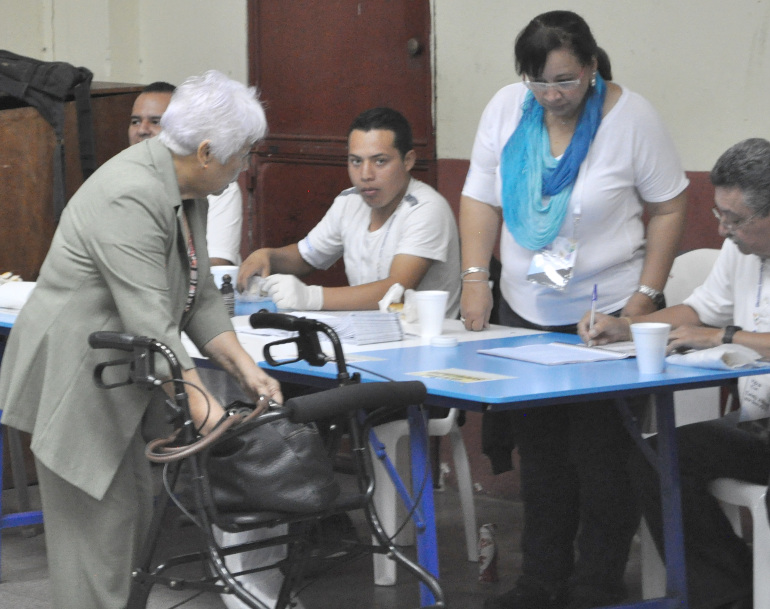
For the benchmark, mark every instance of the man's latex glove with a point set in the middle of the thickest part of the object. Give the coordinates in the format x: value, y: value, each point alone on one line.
x: 288, y: 292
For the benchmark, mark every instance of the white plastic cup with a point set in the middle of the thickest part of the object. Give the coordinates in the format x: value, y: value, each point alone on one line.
x: 650, y: 340
x: 431, y: 308
x: 221, y: 270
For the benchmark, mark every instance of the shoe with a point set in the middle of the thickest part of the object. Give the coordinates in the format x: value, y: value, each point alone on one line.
x: 335, y: 531
x: 333, y: 538
x: 588, y: 597
x: 525, y: 595
x: 747, y: 602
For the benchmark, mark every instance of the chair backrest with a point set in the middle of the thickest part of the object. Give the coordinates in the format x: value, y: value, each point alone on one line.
x: 687, y: 273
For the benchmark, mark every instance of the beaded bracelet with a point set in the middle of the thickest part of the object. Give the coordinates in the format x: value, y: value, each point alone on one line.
x: 474, y: 269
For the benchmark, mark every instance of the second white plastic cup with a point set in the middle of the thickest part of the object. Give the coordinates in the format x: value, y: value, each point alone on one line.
x: 431, y: 308
x: 650, y: 340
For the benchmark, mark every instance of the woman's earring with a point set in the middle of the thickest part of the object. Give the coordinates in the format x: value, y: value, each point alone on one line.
x: 593, y: 80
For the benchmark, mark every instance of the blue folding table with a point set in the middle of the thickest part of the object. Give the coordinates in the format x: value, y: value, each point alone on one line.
x: 25, y: 517
x: 460, y: 377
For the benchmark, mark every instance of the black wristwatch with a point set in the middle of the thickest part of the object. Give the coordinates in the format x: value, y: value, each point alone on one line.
x: 730, y: 331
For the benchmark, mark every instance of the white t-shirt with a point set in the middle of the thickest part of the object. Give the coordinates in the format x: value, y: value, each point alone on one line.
x: 225, y: 217
x: 737, y: 291
x: 422, y: 225
x: 631, y: 160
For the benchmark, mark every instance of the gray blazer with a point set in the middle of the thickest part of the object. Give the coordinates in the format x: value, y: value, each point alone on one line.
x: 118, y: 262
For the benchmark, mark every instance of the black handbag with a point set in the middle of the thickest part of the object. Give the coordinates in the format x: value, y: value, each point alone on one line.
x: 278, y: 466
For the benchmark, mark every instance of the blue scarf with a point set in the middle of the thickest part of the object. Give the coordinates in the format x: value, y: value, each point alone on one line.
x: 529, y: 172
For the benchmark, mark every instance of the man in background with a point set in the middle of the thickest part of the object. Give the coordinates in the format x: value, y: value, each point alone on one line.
x: 225, y: 215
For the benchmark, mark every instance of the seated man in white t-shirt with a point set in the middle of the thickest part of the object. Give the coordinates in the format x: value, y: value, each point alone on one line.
x: 389, y: 228
x: 225, y: 216
x: 732, y: 306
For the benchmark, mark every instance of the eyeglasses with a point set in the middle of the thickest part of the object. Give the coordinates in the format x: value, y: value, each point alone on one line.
x: 563, y: 86
x: 733, y: 224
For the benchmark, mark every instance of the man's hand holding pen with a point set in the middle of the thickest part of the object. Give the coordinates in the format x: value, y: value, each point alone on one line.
x: 604, y: 329
x: 608, y: 329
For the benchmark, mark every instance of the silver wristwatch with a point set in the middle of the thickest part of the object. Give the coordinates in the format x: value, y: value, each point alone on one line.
x: 655, y: 295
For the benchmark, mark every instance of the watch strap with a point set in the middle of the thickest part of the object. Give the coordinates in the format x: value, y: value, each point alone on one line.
x: 655, y: 295
x: 730, y: 331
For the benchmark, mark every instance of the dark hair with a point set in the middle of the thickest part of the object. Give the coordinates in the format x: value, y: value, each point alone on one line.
x: 557, y: 30
x: 159, y: 86
x: 387, y: 119
x: 746, y: 165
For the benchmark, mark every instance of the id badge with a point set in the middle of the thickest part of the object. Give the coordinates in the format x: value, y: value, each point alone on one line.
x: 553, y: 265
x: 754, y: 392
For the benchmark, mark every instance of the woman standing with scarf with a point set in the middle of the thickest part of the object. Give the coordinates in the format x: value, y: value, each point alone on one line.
x: 569, y: 161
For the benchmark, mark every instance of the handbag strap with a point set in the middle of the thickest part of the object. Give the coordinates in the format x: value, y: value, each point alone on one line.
x: 159, y: 451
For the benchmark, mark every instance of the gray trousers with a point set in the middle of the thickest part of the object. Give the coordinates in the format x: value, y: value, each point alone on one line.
x: 93, y: 544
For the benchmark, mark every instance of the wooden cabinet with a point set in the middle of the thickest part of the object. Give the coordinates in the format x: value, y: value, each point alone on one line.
x: 26, y: 184
x: 26, y: 169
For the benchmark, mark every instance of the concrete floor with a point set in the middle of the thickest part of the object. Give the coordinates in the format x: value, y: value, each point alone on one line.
x: 25, y: 573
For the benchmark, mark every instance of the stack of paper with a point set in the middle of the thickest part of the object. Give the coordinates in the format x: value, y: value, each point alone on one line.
x: 358, y: 327
x: 14, y: 294
x: 557, y: 353
x: 365, y: 327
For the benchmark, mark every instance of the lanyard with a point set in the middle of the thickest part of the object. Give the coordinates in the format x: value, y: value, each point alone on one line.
x: 193, y: 259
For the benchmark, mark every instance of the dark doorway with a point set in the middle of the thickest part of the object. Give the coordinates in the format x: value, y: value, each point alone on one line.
x: 317, y: 64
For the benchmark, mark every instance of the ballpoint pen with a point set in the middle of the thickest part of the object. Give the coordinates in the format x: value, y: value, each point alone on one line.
x: 594, y: 297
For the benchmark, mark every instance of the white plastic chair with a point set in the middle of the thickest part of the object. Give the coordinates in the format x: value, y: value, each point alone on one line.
x: 687, y: 273
x: 394, y: 436
x: 732, y: 495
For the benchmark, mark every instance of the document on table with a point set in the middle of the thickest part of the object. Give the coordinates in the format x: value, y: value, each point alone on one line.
x: 357, y: 327
x: 559, y: 353
x: 459, y: 375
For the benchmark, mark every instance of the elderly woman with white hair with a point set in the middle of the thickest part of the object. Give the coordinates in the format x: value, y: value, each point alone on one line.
x: 129, y: 255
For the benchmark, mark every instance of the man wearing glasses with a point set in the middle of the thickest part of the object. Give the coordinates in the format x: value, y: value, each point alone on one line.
x: 732, y: 306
